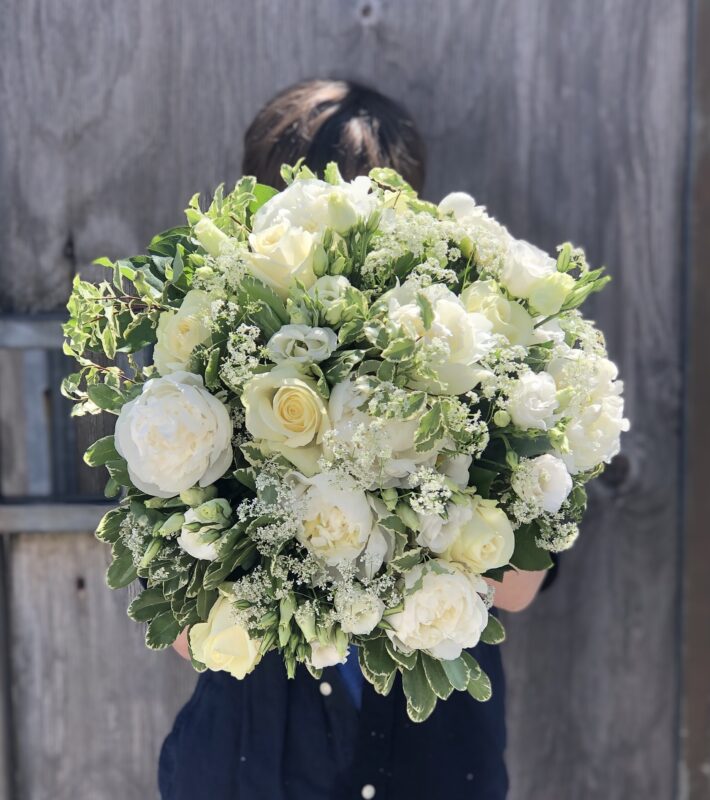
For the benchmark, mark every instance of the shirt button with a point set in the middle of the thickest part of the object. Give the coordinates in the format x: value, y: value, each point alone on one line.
x: 368, y: 791
x: 326, y: 689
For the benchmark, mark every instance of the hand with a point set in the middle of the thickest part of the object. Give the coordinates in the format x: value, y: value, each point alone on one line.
x: 517, y: 589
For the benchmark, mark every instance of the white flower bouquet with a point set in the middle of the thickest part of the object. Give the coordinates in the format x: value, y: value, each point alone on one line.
x: 359, y: 406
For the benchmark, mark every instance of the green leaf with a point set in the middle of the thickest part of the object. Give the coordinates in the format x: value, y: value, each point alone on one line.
x: 405, y: 660
x: 376, y: 658
x: 421, y: 700
x: 105, y: 397
x: 108, y: 341
x: 457, y: 672
x: 206, y: 598
x: 148, y: 604
x: 494, y: 632
x: 110, y: 526
x: 430, y: 428
x: 101, y: 452
x: 435, y: 674
x: 121, y: 572
x: 162, y: 631
x: 393, y: 523
x: 426, y: 310
x: 527, y: 555
x: 482, y: 479
x: 474, y: 667
x: 262, y: 193
x: 399, y: 350
x: 407, y: 560
x: 479, y: 687
x: 212, y: 369
x: 138, y: 334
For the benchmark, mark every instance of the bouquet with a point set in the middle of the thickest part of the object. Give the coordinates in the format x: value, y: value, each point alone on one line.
x: 358, y: 407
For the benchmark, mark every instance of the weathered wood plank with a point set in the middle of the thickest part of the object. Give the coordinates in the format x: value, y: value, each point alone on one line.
x: 50, y: 517
x: 93, y: 704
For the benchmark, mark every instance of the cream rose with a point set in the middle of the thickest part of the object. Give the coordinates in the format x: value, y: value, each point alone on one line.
x: 302, y: 344
x: 466, y: 337
x: 443, y: 612
x: 337, y: 524
x: 507, y: 317
x: 281, y: 255
x: 221, y: 644
x: 174, y: 435
x: 533, y: 400
x: 484, y: 537
x: 179, y: 332
x: 315, y: 205
x: 284, y: 409
x: 524, y: 267
x: 543, y: 481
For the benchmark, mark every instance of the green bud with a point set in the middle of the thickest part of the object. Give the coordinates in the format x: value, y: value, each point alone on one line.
x: 193, y: 527
x: 288, y: 607
x: 338, y: 266
x: 466, y: 247
x: 210, y: 236
x: 290, y: 662
x: 390, y: 498
x: 408, y: 517
x: 326, y: 634
x: 155, y: 502
x: 198, y: 495
x: 564, y: 396
x: 172, y: 525
x: 306, y: 621
x: 204, y: 273
x: 151, y: 552
x: 217, y: 510
x: 320, y: 262
x: 501, y: 418
x: 270, y: 619
x: 511, y: 458
x: 341, y: 212
x: 267, y: 642
x: 342, y: 640
x: 284, y: 634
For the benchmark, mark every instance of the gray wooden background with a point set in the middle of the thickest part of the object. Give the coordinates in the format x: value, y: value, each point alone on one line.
x: 569, y: 119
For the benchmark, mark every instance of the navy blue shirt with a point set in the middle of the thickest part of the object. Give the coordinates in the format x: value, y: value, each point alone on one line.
x: 268, y: 738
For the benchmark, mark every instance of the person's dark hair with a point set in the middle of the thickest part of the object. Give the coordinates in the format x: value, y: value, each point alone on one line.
x: 328, y: 120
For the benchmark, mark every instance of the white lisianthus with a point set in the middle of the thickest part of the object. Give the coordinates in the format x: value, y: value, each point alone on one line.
x: 460, y: 205
x: 481, y: 535
x: 533, y: 400
x: 548, y: 295
x: 302, y: 344
x: 395, y: 436
x: 443, y: 611
x: 315, y: 205
x: 524, y: 267
x: 465, y: 337
x: 200, y: 544
x: 507, y: 317
x: 283, y: 408
x: 180, y: 331
x: 486, y: 236
x: 543, y: 482
x: 281, y: 255
x: 221, y: 644
x: 359, y: 611
x: 174, y: 435
x: 456, y: 467
x: 326, y: 655
x: 594, y: 436
x: 329, y: 291
x: 337, y: 524
x: 585, y: 377
x: 213, y: 240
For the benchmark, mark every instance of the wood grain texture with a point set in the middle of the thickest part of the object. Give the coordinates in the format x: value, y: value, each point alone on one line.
x: 93, y: 704
x: 566, y: 118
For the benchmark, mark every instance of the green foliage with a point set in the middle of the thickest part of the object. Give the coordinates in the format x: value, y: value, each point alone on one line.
x: 528, y: 554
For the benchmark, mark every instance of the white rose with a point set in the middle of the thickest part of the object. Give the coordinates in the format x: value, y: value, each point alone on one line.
x: 360, y: 611
x: 524, y: 267
x: 443, y: 616
x: 221, y: 644
x: 284, y: 409
x: 465, y: 336
x: 533, y: 400
x: 395, y: 436
x: 315, y: 205
x: 594, y: 436
x: 438, y: 533
x: 174, y: 435
x: 337, y: 524
x: 484, y: 538
x: 281, y: 255
x: 543, y: 481
x: 326, y: 655
x: 507, y: 317
x: 302, y: 344
x: 200, y: 544
x: 548, y: 295
x: 179, y: 332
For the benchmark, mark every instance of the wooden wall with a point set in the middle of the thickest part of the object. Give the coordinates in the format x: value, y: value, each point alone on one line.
x: 568, y: 119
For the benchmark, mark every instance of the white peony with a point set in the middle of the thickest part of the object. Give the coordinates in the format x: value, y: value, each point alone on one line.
x: 338, y: 525
x: 326, y: 655
x: 524, y: 267
x: 443, y: 611
x: 507, y: 317
x: 221, y: 644
x: 302, y: 344
x: 466, y: 337
x: 281, y: 255
x: 283, y: 409
x: 314, y: 205
x: 179, y: 332
x: 394, y: 436
x: 200, y: 544
x: 533, y: 400
x: 359, y: 611
x: 174, y: 435
x: 480, y: 536
x: 543, y: 481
